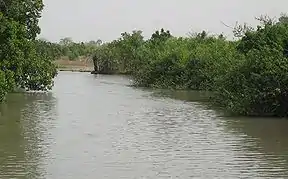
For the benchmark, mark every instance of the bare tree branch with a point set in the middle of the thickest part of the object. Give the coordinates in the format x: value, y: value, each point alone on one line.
x: 238, y: 30
x: 226, y: 25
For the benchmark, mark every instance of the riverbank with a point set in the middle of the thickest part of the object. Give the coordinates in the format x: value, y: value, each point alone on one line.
x: 248, y: 76
x: 75, y: 69
x: 81, y: 65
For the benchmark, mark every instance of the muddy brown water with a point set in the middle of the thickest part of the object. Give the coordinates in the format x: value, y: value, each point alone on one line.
x: 96, y: 126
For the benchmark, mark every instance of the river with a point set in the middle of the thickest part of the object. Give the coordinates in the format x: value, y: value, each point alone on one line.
x: 94, y: 127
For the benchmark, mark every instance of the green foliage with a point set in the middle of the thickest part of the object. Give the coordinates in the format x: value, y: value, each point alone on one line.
x: 159, y: 37
x: 104, y: 59
x: 4, y: 85
x: 47, y: 49
x: 24, y: 12
x: 66, y: 48
x: 37, y: 72
x: 248, y: 76
x: 119, y: 56
x: 189, y: 63
x: 258, y: 86
x: 274, y: 36
x: 22, y: 64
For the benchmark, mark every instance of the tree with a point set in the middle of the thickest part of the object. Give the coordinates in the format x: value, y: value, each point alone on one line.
x: 95, y: 43
x: 160, y: 36
x: 99, y: 42
x: 21, y: 65
x: 66, y: 41
x: 270, y: 33
x: 25, y: 12
x: 283, y: 19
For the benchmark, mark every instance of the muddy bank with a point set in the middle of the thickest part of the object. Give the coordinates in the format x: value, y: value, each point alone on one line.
x: 81, y: 65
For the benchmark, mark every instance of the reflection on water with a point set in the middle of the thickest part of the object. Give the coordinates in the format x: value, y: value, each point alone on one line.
x: 97, y: 126
x: 23, y: 120
x: 265, y: 139
x: 184, y: 95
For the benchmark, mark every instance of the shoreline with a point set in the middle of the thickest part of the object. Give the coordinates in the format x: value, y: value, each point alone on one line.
x: 79, y: 65
x: 75, y: 70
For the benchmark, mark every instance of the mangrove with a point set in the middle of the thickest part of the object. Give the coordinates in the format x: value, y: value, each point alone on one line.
x: 246, y: 76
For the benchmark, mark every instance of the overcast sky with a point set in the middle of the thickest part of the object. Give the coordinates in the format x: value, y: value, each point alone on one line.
x: 85, y: 20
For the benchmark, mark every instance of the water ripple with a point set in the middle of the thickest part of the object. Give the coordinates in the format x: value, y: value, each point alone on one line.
x: 97, y: 128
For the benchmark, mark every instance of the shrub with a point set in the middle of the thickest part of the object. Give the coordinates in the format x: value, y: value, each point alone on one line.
x: 258, y: 86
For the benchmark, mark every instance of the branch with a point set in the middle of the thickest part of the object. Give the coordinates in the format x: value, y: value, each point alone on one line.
x: 226, y: 25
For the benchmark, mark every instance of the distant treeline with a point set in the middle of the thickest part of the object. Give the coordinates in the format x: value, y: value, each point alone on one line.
x: 66, y: 48
x: 247, y: 76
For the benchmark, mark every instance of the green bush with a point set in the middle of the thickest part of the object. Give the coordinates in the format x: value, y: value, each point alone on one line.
x: 247, y: 76
x: 186, y: 63
x: 258, y: 86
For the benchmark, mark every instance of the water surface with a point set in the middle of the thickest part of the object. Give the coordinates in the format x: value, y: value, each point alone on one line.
x: 93, y: 126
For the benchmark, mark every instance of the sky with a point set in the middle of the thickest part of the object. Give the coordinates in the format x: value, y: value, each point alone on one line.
x: 85, y: 20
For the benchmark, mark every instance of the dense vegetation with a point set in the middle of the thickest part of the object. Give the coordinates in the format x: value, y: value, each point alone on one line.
x: 20, y: 63
x: 248, y: 76
x: 66, y: 49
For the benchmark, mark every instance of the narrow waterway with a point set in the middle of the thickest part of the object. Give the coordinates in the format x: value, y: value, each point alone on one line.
x: 94, y: 127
